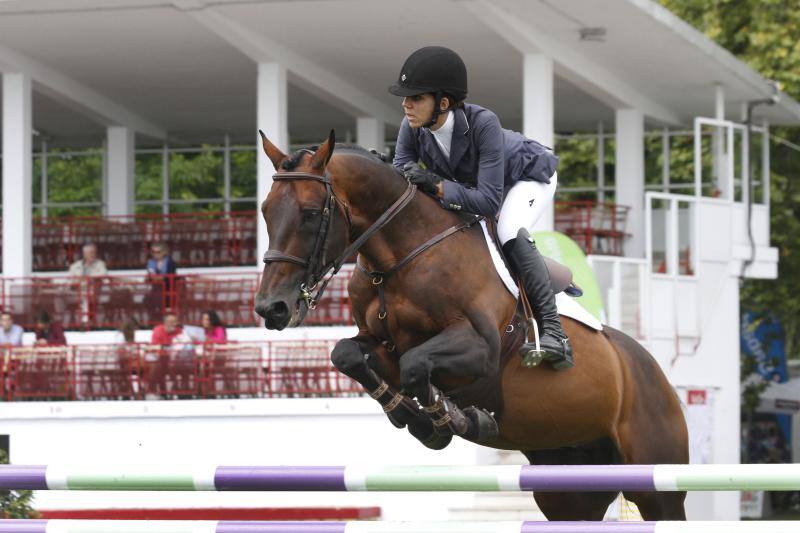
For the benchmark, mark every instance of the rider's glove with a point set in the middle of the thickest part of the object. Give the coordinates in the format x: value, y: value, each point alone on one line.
x: 422, y: 178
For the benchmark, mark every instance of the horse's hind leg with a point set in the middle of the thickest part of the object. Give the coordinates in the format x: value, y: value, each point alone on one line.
x: 349, y: 357
x: 574, y: 505
x: 652, y: 429
x: 661, y: 448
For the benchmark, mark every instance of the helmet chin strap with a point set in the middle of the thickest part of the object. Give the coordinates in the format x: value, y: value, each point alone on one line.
x: 437, y: 110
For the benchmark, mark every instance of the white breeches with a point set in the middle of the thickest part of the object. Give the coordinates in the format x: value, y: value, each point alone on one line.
x: 524, y: 204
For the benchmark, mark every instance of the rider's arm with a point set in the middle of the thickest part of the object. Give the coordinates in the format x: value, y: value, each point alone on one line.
x: 486, y: 198
x: 406, y: 147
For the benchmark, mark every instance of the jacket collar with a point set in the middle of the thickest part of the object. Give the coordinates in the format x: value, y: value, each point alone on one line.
x: 458, y: 145
x: 460, y: 142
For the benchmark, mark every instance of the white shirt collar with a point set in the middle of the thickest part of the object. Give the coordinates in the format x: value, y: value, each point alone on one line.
x: 444, y: 135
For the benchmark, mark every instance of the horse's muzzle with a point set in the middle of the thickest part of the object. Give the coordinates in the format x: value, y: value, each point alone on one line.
x: 276, y: 314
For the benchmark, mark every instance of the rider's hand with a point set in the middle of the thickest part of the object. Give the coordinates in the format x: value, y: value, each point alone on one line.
x: 426, y: 180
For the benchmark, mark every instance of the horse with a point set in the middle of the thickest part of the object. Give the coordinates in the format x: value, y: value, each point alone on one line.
x: 437, y: 342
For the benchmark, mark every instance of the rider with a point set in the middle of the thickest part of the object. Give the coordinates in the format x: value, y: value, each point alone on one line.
x: 470, y: 163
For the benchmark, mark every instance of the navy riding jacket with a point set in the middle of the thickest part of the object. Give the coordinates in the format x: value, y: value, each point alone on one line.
x: 485, y: 160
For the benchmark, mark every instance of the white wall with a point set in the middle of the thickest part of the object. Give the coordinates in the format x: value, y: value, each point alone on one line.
x: 226, y: 432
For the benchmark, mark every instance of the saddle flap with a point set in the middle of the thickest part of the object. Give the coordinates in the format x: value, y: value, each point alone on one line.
x: 560, y: 275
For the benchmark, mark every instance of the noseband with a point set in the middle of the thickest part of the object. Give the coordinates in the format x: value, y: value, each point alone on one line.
x: 315, y: 269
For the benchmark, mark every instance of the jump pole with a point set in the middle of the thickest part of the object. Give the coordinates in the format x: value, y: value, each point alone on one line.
x: 144, y: 526
x: 643, y: 478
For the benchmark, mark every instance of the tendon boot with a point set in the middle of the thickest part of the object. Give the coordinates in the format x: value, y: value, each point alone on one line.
x: 532, y: 270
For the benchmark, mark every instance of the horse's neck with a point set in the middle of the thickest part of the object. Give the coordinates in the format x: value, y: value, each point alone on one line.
x: 418, y: 221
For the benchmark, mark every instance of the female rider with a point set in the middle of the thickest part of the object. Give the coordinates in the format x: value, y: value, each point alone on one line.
x: 474, y: 165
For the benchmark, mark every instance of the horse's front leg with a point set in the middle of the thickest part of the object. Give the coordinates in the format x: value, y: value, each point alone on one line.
x: 358, y: 358
x: 460, y: 351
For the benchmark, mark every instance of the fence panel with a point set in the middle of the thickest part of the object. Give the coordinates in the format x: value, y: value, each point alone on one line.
x: 44, y: 373
x: 64, y: 299
x: 232, y: 297
x: 303, y: 369
x: 115, y: 299
x: 106, y: 372
x: 233, y: 370
x: 170, y: 372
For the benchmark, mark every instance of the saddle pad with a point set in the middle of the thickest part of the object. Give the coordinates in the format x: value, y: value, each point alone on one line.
x: 566, y: 305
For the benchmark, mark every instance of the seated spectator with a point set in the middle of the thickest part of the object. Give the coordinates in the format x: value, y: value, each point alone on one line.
x: 48, y: 333
x: 212, y: 325
x: 90, y: 265
x: 10, y: 333
x: 127, y: 331
x: 165, y: 333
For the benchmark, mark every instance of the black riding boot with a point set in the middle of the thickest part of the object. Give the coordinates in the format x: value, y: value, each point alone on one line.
x: 532, y: 270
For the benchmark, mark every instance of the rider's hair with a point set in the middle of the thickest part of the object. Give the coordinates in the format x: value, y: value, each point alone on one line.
x: 454, y: 103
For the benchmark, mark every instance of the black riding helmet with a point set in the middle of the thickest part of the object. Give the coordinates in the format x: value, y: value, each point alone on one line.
x: 432, y: 69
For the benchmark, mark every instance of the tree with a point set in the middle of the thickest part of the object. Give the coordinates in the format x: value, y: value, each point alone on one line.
x: 15, y: 503
x: 765, y: 34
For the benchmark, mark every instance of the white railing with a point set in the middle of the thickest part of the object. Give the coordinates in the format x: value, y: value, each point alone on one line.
x: 625, y: 289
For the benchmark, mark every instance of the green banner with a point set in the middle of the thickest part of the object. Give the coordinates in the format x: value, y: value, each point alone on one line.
x: 561, y: 248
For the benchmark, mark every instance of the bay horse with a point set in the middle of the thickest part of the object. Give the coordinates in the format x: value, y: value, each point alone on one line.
x: 435, y: 344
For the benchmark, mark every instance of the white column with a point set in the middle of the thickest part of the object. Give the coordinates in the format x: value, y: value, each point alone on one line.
x: 720, y: 162
x: 17, y: 174
x: 371, y: 133
x: 272, y: 119
x: 120, y: 171
x: 537, y: 110
x: 629, y: 176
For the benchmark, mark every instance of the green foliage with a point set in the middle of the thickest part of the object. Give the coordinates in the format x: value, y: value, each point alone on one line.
x: 15, y: 503
x: 765, y: 34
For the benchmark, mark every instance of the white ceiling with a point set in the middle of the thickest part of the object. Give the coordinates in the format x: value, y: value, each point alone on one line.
x: 154, y: 59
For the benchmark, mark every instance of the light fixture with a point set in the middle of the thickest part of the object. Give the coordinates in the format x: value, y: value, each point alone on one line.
x: 593, y: 34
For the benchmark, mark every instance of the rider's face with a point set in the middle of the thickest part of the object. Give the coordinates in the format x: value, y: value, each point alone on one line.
x: 418, y: 109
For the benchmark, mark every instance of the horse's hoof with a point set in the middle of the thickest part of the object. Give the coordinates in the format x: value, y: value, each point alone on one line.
x: 395, y: 422
x: 532, y: 358
x: 437, y: 441
x: 482, y: 426
x: 428, y: 437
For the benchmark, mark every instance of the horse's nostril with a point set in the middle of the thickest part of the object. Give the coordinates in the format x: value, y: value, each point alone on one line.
x: 278, y: 310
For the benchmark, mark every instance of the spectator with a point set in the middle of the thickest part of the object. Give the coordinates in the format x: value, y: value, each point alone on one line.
x: 48, y: 333
x: 162, y: 268
x: 212, y: 325
x: 165, y: 333
x: 90, y: 265
x: 127, y: 331
x: 161, y: 262
x: 10, y: 333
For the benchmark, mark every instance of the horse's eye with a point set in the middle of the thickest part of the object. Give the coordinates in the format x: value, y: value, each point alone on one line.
x: 310, y: 214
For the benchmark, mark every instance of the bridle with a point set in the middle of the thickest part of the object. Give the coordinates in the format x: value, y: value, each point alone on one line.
x: 316, y: 271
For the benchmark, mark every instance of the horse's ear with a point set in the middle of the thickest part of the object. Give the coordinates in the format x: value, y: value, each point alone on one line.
x: 324, y: 153
x: 272, y: 151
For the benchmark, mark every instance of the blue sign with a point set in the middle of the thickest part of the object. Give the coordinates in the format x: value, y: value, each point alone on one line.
x: 762, y: 339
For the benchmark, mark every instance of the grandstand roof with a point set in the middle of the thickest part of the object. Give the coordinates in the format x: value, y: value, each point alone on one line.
x: 186, y: 69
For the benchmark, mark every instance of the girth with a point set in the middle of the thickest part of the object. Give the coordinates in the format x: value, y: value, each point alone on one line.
x: 379, y: 278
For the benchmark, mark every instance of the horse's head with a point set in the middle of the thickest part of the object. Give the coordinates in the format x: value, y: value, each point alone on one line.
x: 307, y: 230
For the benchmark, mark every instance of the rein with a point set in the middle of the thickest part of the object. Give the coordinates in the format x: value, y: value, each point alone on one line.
x: 379, y: 278
x: 316, y: 270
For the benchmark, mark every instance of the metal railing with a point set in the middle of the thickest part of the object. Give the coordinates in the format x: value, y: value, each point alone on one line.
x: 108, y: 301
x: 271, y: 369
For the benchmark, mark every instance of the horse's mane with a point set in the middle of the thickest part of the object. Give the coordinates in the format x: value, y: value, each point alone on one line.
x: 292, y: 162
